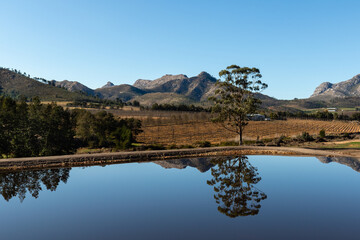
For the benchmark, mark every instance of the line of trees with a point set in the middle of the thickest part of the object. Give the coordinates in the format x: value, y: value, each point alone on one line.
x: 35, y: 129
x: 180, y: 107
x: 102, y: 129
x: 101, y: 103
x: 323, y: 115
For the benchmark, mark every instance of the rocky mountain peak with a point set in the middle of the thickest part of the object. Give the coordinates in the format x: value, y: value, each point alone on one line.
x: 108, y: 84
x: 205, y: 75
x: 322, y: 88
x: 169, y: 77
x: 73, y: 86
x: 149, y: 84
x: 348, y: 88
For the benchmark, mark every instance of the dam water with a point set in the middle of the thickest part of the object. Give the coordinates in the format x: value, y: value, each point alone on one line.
x: 237, y: 197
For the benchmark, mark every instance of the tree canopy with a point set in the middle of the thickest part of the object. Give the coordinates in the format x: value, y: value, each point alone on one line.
x: 36, y: 129
x: 234, y: 98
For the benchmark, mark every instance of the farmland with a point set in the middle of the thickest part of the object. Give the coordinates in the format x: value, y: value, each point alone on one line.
x: 191, y: 132
x: 187, y: 128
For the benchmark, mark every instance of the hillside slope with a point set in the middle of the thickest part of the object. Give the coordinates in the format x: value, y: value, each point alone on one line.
x: 74, y: 86
x: 125, y: 92
x: 196, y: 88
x: 15, y: 84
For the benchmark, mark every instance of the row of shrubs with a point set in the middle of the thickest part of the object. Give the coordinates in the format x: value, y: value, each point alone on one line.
x: 322, y: 115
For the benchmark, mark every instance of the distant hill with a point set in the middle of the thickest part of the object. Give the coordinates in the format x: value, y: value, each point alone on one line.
x: 73, y: 86
x: 197, y: 88
x: 348, y: 88
x: 108, y: 84
x: 15, y: 84
x: 125, y: 92
x: 163, y: 98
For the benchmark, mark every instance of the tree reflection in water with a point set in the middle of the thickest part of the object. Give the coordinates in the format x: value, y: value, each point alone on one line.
x: 233, y: 181
x: 19, y: 183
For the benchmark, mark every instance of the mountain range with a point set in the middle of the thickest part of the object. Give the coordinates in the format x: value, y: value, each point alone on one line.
x: 348, y: 88
x: 173, y: 89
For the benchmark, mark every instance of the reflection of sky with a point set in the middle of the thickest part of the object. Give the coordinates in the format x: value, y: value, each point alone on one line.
x: 306, y: 199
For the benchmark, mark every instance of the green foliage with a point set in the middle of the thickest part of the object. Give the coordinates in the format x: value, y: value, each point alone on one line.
x: 34, y: 129
x: 322, y: 133
x: 98, y: 103
x: 234, y: 97
x: 229, y: 143
x: 122, y: 137
x: 104, y: 130
x: 180, y: 107
x: 305, y: 136
x: 346, y: 135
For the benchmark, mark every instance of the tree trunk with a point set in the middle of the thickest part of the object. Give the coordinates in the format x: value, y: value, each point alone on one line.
x: 240, y: 137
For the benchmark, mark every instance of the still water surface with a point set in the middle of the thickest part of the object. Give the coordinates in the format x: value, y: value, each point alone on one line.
x: 255, y: 197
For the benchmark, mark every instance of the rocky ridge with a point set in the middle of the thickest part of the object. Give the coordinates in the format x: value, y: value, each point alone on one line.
x: 348, y: 88
x: 73, y: 86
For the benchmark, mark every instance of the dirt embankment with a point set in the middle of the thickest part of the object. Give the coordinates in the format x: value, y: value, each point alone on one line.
x: 143, y: 156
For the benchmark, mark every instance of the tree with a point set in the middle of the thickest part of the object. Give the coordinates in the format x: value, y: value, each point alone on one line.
x: 234, y: 98
x: 234, y: 182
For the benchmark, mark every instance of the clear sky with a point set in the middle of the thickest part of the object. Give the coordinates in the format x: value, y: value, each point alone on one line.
x: 296, y: 44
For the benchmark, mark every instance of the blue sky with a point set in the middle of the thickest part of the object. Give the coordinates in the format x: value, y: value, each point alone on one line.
x: 296, y: 44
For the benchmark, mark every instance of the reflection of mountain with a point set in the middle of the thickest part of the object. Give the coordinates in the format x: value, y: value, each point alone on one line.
x: 202, y: 164
x: 354, y: 163
x: 14, y: 184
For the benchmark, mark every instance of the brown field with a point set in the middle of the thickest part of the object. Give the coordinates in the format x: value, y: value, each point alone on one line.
x: 60, y: 103
x: 190, y: 133
x: 187, y: 128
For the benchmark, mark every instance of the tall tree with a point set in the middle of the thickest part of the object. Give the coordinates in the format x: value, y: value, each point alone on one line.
x: 234, y: 98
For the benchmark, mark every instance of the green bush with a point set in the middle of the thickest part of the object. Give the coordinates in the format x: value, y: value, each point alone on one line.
x: 306, y: 137
x: 122, y: 137
x: 322, y: 133
x: 229, y: 143
x: 346, y: 135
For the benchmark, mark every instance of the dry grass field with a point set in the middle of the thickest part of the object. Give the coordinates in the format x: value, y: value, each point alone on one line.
x: 187, y: 128
x: 190, y: 133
